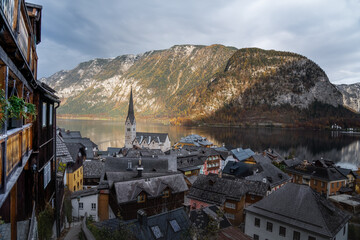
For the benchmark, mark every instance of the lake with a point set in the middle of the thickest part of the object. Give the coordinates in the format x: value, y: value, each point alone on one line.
x: 304, y: 144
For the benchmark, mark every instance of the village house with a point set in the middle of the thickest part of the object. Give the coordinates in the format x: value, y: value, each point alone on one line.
x: 93, y: 170
x: 231, y: 195
x: 243, y: 155
x: 27, y: 144
x: 142, y: 139
x: 149, y: 183
x: 321, y: 175
x: 296, y: 212
x: 193, y: 140
x: 263, y: 171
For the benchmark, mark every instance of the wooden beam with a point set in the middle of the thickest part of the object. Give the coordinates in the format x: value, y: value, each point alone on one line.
x: 13, y: 204
x: 16, y: 14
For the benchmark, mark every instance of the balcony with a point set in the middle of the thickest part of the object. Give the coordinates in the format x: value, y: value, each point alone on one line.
x: 15, y: 150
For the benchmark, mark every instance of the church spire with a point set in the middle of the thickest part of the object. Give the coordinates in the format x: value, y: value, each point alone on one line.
x: 131, y: 115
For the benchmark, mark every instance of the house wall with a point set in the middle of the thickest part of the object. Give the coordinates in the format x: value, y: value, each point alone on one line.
x: 196, y: 204
x: 235, y: 215
x: 212, y: 165
x: 103, y: 205
x: 251, y: 229
x: 87, y: 201
x: 335, y: 186
x: 75, y: 180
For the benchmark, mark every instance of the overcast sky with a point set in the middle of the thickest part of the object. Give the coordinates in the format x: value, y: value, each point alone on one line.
x: 327, y: 31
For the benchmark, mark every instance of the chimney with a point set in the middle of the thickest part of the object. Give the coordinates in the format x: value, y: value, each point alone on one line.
x: 139, y: 169
x: 142, y: 217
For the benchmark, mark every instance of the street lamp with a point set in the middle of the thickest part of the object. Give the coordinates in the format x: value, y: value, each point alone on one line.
x: 78, y: 199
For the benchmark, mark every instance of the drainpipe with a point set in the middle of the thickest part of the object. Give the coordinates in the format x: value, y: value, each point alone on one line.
x: 57, y: 197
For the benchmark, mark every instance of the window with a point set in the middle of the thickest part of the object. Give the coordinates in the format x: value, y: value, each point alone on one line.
x: 269, y: 226
x: 315, y: 182
x: 51, y: 114
x: 175, y: 226
x: 81, y: 205
x: 166, y: 193
x: 230, y: 205
x: 230, y: 216
x: 296, y: 235
x: 337, y: 184
x: 128, y: 129
x: 44, y: 112
x: 129, y: 164
x: 93, y: 206
x: 47, y: 174
x: 80, y: 181
x: 344, y: 230
x: 256, y: 237
x: 332, y: 185
x: 322, y: 184
x: 311, y: 238
x: 157, y: 232
x: 74, y: 188
x: 141, y: 198
x: 257, y: 222
x: 282, y: 231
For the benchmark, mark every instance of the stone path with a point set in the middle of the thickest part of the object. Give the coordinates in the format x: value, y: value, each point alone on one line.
x: 73, y: 232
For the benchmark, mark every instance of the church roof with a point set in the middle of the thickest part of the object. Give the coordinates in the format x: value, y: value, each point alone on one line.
x: 131, y: 115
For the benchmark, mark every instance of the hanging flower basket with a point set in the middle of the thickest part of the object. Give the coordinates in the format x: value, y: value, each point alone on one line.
x: 17, y: 107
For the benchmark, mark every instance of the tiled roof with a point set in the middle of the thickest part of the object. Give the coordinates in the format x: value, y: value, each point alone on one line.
x: 292, y: 162
x: 143, y: 152
x: 74, y: 149
x: 300, y: 206
x: 84, y: 193
x: 201, y: 217
x: 242, y: 154
x: 93, y: 168
x: 61, y: 150
x: 165, y: 222
x: 239, y: 169
x: 88, y: 144
x: 69, y: 134
x: 322, y: 173
x: 232, y: 233
x: 149, y: 137
x: 195, y: 139
x: 129, y: 190
x: 212, y: 189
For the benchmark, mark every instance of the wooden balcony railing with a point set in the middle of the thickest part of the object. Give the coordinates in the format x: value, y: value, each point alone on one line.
x: 18, y: 144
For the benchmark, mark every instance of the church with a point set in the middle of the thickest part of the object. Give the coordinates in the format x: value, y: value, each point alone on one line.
x: 143, y: 139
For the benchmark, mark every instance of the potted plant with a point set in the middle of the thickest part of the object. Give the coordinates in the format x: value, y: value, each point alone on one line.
x: 16, y: 110
x: 30, y: 110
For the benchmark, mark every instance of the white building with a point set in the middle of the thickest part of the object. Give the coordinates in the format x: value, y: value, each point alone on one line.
x: 296, y: 212
x: 87, y: 202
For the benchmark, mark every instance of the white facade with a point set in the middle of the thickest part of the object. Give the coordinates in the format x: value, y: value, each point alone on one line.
x: 163, y: 146
x: 88, y: 204
x: 263, y: 233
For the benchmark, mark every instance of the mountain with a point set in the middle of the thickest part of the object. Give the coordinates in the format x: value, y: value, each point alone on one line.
x: 210, y: 84
x: 351, y: 95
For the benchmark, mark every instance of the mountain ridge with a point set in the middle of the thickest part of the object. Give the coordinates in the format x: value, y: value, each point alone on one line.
x: 194, y: 82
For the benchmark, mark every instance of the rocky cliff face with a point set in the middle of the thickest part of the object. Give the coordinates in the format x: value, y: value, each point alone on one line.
x: 351, y: 95
x: 193, y: 81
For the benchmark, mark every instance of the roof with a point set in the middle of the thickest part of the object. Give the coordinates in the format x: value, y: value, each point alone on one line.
x: 69, y: 134
x: 156, y: 164
x: 112, y: 151
x: 273, y: 175
x: 328, y: 174
x: 300, y: 206
x: 232, y: 233
x: 149, y: 137
x: 93, y: 168
x: 344, y: 171
x: 239, y: 169
x: 131, y: 115
x: 84, y: 193
x: 88, y: 144
x: 214, y: 190
x: 129, y: 190
x: 74, y: 149
x: 201, y: 217
x: 143, y: 152
x: 62, y: 151
x: 172, y: 224
x: 242, y: 154
x: 195, y: 139
x: 292, y: 162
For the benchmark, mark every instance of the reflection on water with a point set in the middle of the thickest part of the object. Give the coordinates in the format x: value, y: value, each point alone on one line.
x: 305, y: 144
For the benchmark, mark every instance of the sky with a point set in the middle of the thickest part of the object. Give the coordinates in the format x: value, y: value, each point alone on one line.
x: 325, y: 31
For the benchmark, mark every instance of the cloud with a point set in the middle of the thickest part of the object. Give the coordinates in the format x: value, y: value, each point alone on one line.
x: 326, y: 31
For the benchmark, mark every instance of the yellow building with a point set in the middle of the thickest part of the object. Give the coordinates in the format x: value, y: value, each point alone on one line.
x: 74, y: 178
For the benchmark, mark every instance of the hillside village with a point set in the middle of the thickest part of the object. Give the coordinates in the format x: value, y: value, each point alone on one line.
x: 192, y: 189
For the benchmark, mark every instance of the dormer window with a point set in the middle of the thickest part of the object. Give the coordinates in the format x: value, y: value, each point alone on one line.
x: 128, y: 129
x: 166, y: 193
x: 141, y: 198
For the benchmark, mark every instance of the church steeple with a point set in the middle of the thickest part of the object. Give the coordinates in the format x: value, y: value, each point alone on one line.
x: 130, y: 124
x: 131, y: 115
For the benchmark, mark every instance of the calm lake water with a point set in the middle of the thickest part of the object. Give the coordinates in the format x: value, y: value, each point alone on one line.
x: 304, y: 144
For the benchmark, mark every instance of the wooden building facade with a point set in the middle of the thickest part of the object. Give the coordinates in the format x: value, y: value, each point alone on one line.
x: 27, y: 168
